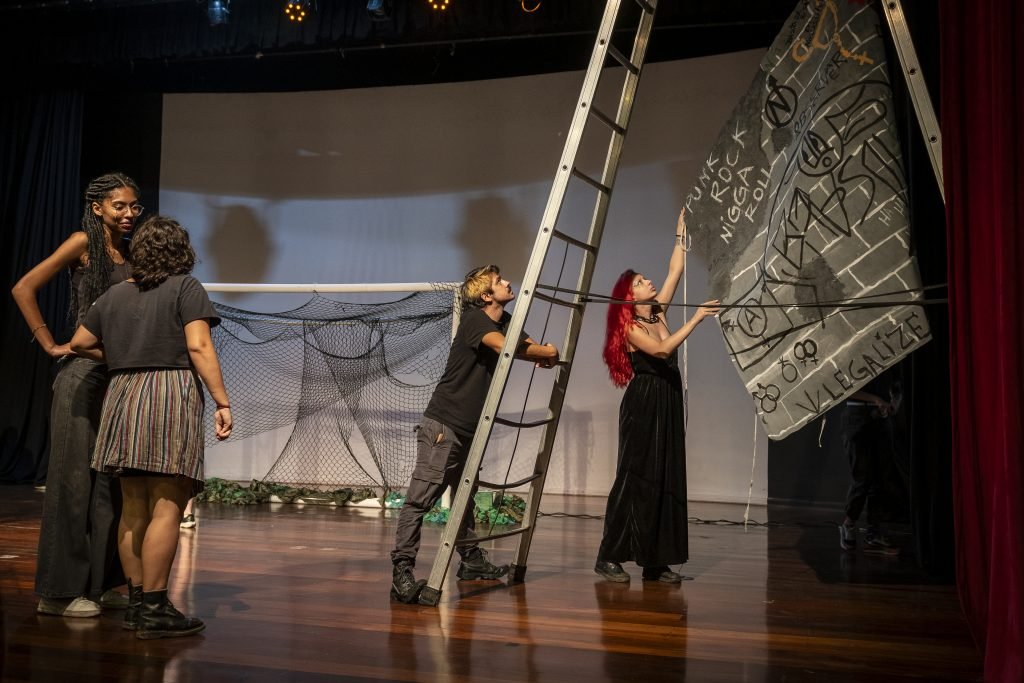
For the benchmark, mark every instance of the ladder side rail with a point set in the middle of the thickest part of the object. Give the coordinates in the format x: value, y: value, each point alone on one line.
x: 595, y: 235
x: 918, y: 89
x: 499, y: 379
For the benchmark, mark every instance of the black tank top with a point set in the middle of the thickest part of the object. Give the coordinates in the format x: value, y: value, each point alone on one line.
x: 119, y: 273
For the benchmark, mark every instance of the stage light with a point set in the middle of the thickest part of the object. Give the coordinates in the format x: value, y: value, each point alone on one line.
x: 217, y: 11
x: 438, y: 4
x: 379, y: 10
x: 296, y: 10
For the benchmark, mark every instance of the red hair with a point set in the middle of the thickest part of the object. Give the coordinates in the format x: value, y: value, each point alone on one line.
x: 620, y: 318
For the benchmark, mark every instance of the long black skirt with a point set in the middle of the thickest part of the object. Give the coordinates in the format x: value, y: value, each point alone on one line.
x: 645, y: 521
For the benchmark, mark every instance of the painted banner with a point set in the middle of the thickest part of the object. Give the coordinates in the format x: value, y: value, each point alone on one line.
x: 800, y: 212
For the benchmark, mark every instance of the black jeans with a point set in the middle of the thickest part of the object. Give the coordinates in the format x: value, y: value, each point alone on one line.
x: 867, y: 438
x: 440, y: 458
x: 78, y: 539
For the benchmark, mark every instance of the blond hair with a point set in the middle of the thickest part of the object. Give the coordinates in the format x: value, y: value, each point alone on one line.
x: 476, y: 284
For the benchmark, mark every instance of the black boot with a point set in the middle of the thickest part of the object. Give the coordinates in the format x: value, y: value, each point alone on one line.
x: 404, y: 586
x: 131, y: 615
x: 475, y: 565
x: 159, y: 619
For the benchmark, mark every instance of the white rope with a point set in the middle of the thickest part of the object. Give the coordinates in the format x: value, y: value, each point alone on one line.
x: 753, y: 465
x: 686, y: 355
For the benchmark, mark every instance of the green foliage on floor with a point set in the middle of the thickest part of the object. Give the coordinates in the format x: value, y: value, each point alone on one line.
x: 233, y: 493
x: 509, y: 510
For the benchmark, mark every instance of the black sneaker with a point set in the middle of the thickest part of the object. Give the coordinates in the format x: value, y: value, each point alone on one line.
x: 612, y: 571
x: 475, y: 565
x: 876, y: 543
x: 847, y: 537
x: 662, y: 574
x: 404, y: 586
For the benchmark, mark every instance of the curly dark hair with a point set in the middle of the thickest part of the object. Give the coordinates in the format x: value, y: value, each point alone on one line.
x: 100, y: 265
x: 159, y: 249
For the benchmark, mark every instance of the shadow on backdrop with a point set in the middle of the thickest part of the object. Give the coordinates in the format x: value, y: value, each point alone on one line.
x: 493, y: 232
x: 239, y: 247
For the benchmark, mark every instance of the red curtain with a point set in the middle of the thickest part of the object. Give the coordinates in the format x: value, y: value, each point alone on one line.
x: 982, y: 114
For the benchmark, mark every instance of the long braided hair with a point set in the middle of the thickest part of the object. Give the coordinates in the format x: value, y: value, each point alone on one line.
x: 97, y: 273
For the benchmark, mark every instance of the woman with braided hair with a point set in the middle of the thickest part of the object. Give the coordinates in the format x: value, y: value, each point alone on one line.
x: 77, y: 565
x: 645, y: 520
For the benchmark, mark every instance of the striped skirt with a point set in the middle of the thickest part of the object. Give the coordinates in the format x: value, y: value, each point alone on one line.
x: 152, y: 421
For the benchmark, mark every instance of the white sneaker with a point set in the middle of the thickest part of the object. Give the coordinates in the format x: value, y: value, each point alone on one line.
x: 68, y: 607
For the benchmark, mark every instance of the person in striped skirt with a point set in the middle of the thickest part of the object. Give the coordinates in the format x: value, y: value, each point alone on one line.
x: 153, y: 332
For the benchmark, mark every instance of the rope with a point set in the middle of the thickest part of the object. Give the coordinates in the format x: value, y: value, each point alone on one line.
x: 750, y: 490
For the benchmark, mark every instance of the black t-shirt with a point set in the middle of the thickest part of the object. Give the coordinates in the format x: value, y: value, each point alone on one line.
x: 460, y: 394
x: 146, y: 329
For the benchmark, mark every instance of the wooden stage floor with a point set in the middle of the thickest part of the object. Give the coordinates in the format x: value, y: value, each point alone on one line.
x: 300, y: 593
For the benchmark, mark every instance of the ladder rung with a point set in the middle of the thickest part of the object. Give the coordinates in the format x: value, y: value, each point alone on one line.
x: 560, y: 302
x: 645, y: 6
x: 621, y: 59
x: 607, y: 120
x: 473, y: 540
x: 572, y: 240
x: 524, y: 425
x: 510, y: 485
x: 601, y: 187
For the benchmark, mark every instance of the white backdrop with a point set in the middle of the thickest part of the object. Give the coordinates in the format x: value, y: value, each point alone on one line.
x: 422, y: 183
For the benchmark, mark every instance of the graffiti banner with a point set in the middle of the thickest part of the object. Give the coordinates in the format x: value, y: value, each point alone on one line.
x: 800, y: 212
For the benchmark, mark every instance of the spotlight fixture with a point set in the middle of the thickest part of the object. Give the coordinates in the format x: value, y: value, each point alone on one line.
x: 296, y: 10
x: 217, y: 11
x: 379, y: 10
x: 438, y: 4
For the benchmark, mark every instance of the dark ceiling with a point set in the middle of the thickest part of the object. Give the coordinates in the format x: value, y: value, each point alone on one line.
x: 170, y: 46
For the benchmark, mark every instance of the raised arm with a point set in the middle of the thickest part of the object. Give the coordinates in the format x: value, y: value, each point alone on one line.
x: 204, y: 358
x: 26, y: 291
x: 676, y: 263
x: 885, y: 408
x: 544, y: 355
x: 662, y: 348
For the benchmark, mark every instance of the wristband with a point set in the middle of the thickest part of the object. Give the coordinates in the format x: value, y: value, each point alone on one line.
x: 34, y: 330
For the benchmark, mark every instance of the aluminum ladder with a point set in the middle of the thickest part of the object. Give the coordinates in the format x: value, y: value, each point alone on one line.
x: 616, y: 126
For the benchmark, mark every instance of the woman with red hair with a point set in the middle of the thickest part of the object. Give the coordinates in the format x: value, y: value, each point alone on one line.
x: 645, y: 521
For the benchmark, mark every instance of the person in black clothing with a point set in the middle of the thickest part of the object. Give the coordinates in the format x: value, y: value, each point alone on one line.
x: 867, y: 429
x: 77, y: 568
x: 446, y: 430
x: 645, y: 519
